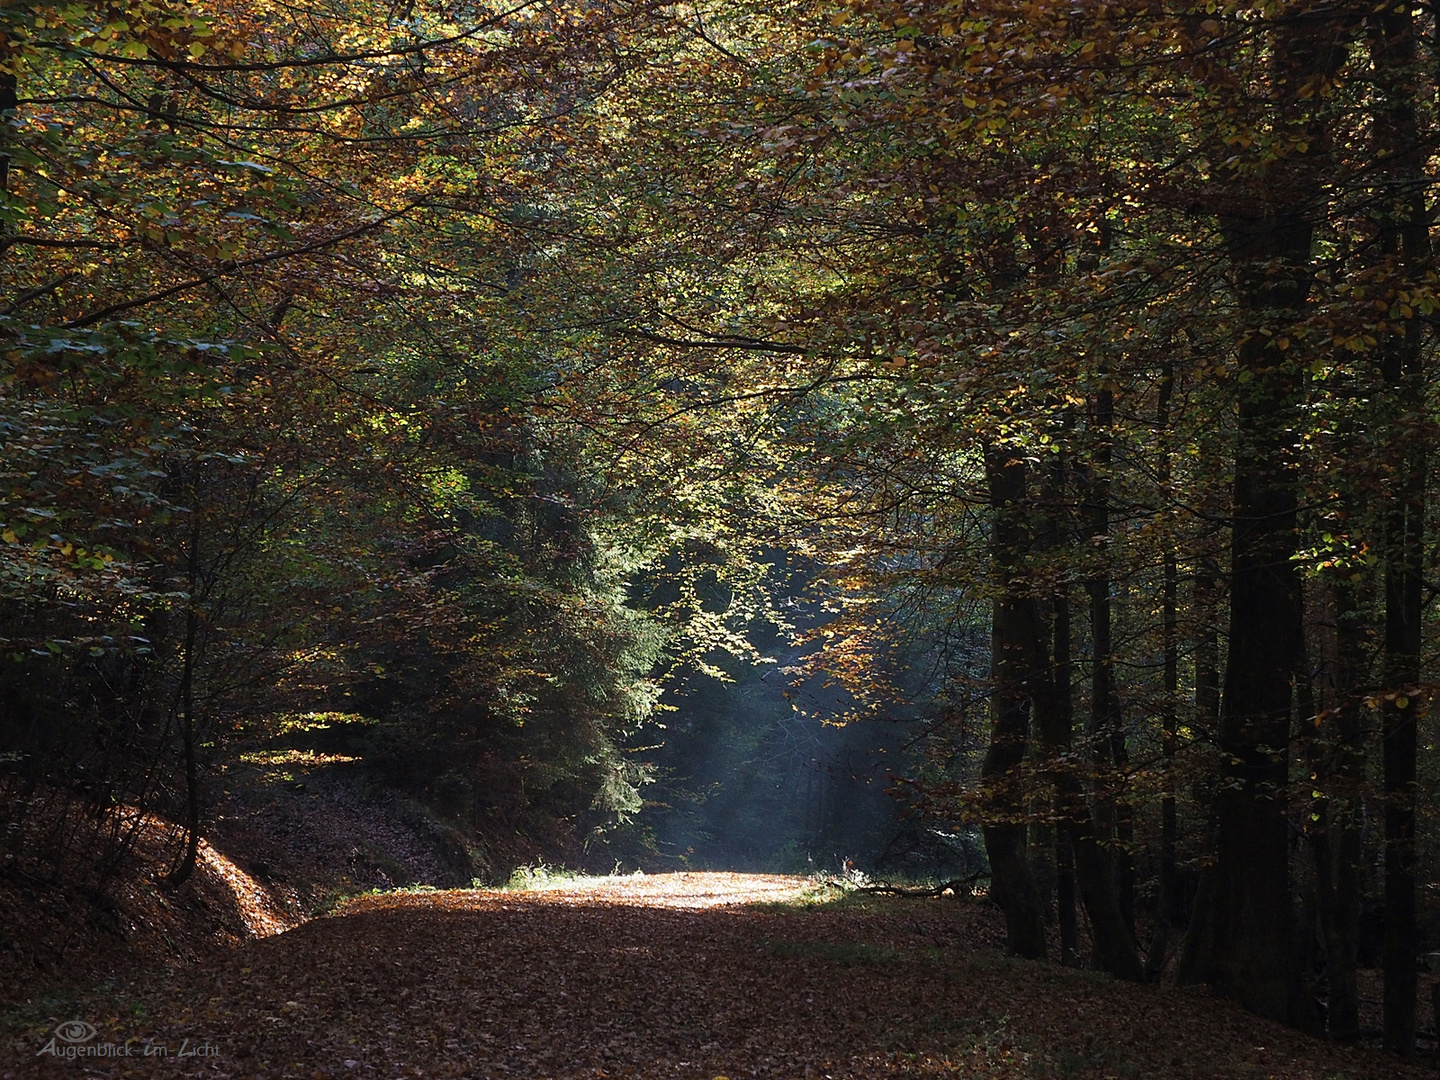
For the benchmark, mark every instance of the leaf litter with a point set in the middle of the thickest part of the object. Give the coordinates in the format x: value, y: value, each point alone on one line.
x: 696, y: 976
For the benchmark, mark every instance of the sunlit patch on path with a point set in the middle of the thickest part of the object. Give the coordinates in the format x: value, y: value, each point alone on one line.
x: 679, y: 891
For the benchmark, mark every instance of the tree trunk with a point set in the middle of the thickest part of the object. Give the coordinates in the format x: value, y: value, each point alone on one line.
x: 1207, y: 648
x: 1338, y: 864
x: 1093, y: 870
x: 181, y: 872
x: 1064, y: 852
x: 1168, y: 909
x: 1014, y: 629
x: 1112, y: 816
x: 1405, y: 240
x: 8, y: 102
x: 1240, y: 936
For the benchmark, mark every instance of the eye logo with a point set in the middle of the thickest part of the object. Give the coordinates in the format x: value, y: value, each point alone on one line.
x: 75, y: 1031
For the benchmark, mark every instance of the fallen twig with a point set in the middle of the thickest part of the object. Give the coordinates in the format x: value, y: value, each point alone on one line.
x: 886, y: 889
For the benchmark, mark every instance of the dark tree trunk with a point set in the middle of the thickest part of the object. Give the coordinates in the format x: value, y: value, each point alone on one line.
x: 8, y: 103
x: 185, y: 706
x: 1064, y: 852
x: 1405, y: 240
x: 191, y: 850
x: 1065, y: 900
x: 1169, y: 906
x: 1336, y: 835
x: 1240, y: 936
x: 1014, y: 630
x: 1082, y: 852
x: 1167, y: 911
x: 1337, y: 744
x: 1113, y: 818
x: 1207, y: 648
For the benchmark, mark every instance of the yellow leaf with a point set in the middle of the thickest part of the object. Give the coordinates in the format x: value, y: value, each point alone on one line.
x: 9, y: 536
x: 1401, y: 701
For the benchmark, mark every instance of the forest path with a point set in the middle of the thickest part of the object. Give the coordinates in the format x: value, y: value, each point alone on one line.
x: 691, y: 976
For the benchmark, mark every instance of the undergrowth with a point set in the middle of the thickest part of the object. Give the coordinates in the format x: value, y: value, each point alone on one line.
x: 543, y: 876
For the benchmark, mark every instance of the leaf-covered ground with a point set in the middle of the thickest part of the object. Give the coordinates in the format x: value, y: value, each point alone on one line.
x: 683, y: 975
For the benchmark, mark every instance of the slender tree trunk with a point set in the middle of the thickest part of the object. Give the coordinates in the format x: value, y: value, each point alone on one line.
x: 1056, y: 725
x: 1082, y: 852
x: 1065, y: 900
x: 186, y: 703
x: 8, y: 103
x: 1337, y: 831
x: 1402, y: 593
x: 186, y: 865
x: 1207, y: 647
x: 1014, y: 630
x: 1064, y: 851
x: 1337, y: 746
x: 1113, y: 816
x: 1405, y: 239
x: 1167, y: 910
x: 1169, y: 907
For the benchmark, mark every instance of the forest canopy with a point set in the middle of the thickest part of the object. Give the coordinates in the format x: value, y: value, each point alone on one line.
x: 1049, y: 382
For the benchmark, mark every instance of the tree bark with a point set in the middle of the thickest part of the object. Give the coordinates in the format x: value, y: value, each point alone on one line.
x: 1337, y: 743
x: 9, y: 100
x: 1014, y: 629
x: 1240, y: 937
x: 1081, y: 851
x: 1405, y: 241
x: 1336, y: 832
x: 1112, y: 817
x: 1169, y: 906
x: 1064, y: 851
x: 185, y: 703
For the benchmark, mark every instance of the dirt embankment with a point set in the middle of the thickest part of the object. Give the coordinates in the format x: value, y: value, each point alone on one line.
x: 290, y: 835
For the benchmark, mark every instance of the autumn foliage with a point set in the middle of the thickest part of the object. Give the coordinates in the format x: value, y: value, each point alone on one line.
x: 486, y: 370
